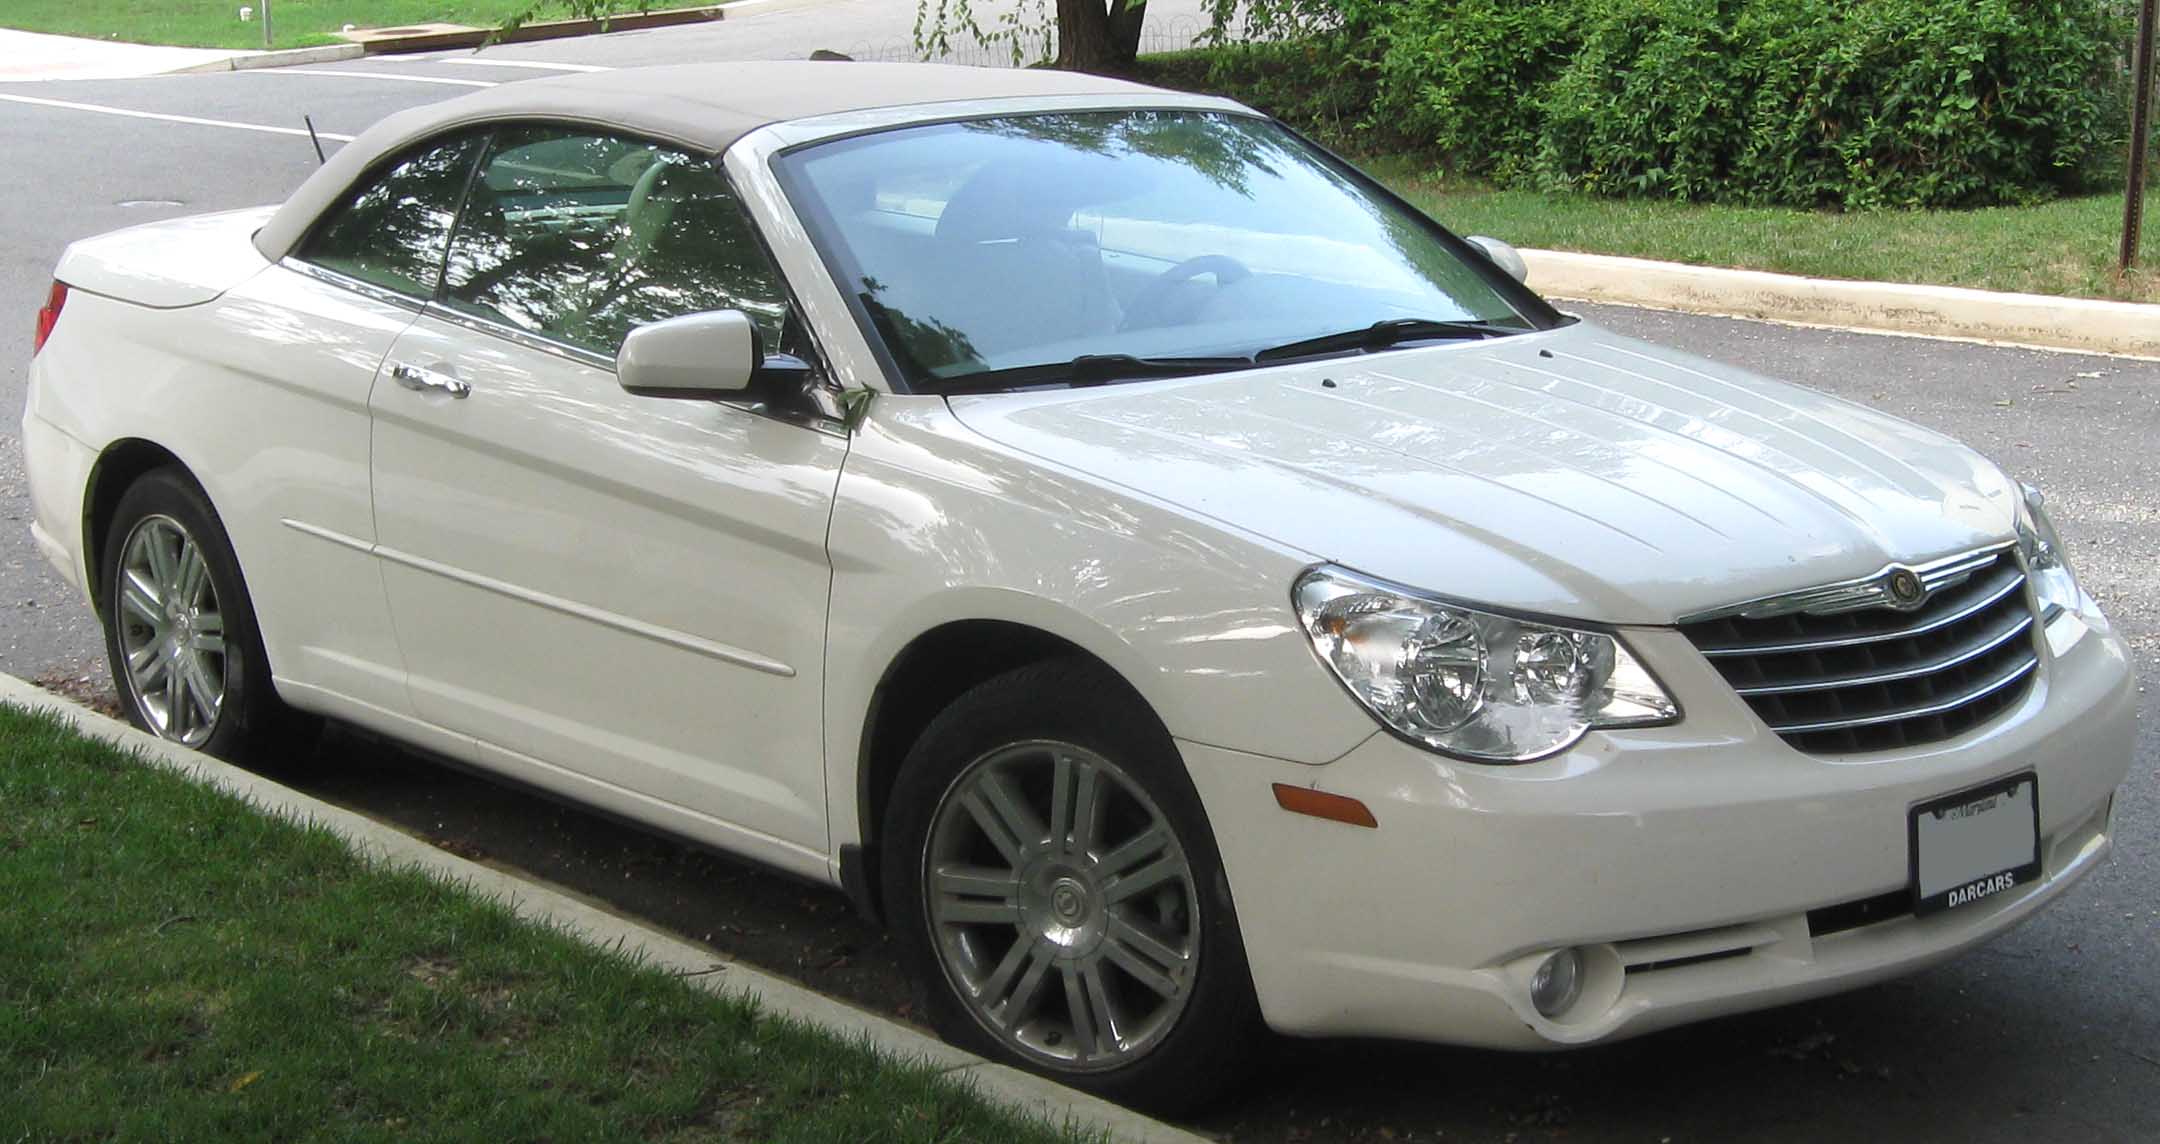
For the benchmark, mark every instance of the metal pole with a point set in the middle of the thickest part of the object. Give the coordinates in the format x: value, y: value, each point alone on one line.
x: 266, y: 22
x: 2141, y: 75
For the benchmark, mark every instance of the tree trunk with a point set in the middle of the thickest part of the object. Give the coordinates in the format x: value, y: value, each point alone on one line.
x: 1125, y: 25
x: 1093, y: 38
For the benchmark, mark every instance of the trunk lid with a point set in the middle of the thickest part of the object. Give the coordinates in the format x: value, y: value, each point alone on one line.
x: 169, y: 264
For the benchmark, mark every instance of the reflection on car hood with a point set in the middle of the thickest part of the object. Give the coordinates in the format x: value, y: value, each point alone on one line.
x: 1574, y: 473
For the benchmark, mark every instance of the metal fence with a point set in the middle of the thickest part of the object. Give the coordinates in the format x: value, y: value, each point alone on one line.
x: 1160, y: 35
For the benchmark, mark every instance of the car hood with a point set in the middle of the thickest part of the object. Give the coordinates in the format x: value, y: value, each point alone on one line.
x: 1573, y: 472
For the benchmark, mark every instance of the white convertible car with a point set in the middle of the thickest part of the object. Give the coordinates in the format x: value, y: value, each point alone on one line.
x: 1175, y: 584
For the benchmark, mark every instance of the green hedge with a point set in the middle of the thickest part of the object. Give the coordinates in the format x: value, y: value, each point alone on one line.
x: 1846, y: 103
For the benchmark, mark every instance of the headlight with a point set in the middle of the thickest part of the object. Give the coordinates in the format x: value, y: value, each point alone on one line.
x: 1483, y: 686
x: 2054, y: 586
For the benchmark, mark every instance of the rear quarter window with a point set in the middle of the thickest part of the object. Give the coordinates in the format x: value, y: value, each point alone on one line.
x: 395, y: 230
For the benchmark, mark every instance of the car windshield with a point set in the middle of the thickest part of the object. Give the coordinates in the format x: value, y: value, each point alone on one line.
x: 1006, y: 247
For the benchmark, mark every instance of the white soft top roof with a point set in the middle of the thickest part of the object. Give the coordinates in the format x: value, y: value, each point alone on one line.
x: 700, y: 107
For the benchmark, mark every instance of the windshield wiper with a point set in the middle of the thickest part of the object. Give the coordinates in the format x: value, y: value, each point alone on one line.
x: 1096, y: 369
x: 1089, y: 369
x: 1382, y: 334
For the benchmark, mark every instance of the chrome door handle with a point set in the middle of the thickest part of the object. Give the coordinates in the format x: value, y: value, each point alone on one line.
x: 417, y: 378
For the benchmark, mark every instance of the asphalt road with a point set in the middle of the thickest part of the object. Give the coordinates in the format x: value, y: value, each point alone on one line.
x: 2052, y: 1033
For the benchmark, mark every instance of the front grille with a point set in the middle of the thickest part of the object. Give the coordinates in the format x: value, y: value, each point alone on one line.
x: 1865, y: 912
x: 1878, y: 679
x: 1698, y: 947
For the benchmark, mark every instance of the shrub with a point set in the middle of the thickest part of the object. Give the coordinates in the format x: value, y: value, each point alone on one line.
x: 1927, y: 103
x: 1316, y: 84
x: 1847, y: 103
x: 1649, y: 104
x: 1453, y: 75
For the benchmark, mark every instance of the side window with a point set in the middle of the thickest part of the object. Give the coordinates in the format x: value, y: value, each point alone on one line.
x: 393, y: 233
x: 579, y: 237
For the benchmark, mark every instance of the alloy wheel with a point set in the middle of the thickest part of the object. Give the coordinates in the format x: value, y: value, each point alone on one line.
x: 1062, y: 906
x: 172, y: 634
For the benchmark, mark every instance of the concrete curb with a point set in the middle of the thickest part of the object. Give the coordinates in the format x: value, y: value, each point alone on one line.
x: 321, y: 54
x: 540, y: 30
x: 437, y: 41
x: 763, y: 7
x: 2087, y: 325
x: 550, y: 906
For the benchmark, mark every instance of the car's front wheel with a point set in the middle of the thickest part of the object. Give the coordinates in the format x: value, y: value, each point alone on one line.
x: 1052, y: 879
x: 179, y: 628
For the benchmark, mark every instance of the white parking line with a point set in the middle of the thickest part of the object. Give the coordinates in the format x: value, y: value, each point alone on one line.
x: 406, y: 77
x: 477, y: 62
x: 164, y: 118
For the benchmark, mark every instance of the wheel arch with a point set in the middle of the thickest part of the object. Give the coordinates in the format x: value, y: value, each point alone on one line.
x: 120, y: 465
x: 926, y: 676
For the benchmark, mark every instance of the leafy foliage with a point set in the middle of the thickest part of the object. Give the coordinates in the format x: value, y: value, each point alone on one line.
x: 1925, y: 103
x: 1649, y: 102
x: 1456, y: 72
x: 573, y: 10
x: 1846, y: 103
x: 1308, y: 82
x: 1026, y: 29
x: 1033, y: 31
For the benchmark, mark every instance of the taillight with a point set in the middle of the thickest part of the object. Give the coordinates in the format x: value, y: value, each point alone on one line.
x: 49, y: 316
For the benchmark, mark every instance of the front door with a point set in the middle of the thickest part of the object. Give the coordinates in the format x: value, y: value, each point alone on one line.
x: 623, y: 597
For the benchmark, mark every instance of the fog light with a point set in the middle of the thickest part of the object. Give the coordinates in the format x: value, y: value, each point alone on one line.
x: 1557, y: 983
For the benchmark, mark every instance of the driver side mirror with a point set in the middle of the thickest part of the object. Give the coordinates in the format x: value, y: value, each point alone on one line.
x: 711, y: 355
x: 1503, y: 256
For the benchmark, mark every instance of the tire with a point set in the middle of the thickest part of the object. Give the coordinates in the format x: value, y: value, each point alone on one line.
x: 1027, y: 943
x: 174, y: 598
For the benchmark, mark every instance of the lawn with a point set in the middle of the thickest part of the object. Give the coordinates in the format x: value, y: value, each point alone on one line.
x: 296, y: 23
x: 2062, y: 247
x: 176, y: 966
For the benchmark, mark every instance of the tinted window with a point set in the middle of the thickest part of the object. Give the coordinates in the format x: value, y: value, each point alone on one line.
x: 394, y: 232
x: 579, y: 237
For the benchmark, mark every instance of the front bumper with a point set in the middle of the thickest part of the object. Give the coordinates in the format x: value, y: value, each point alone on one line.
x: 1685, y: 860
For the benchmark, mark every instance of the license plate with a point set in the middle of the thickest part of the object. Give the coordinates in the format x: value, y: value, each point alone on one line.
x: 1975, y: 844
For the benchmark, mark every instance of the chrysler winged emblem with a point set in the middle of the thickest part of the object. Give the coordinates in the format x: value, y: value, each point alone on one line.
x: 1904, y: 589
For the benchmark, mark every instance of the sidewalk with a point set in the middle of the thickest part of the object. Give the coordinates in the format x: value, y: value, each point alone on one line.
x: 36, y: 56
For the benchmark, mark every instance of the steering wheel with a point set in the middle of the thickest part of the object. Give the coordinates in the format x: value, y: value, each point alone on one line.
x: 1154, y: 296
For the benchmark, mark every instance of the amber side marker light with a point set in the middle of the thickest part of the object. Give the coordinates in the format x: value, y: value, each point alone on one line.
x: 1321, y: 804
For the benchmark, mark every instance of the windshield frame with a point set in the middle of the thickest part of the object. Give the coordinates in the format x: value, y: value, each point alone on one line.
x: 823, y: 231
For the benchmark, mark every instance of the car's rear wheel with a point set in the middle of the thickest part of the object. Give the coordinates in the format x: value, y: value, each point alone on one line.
x: 1052, y: 880
x: 180, y: 631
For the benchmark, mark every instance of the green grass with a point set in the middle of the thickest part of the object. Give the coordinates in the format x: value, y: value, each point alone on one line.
x: 2064, y: 247
x: 296, y: 23
x: 176, y: 966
